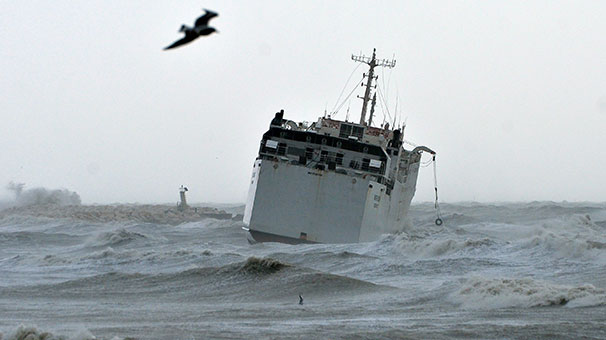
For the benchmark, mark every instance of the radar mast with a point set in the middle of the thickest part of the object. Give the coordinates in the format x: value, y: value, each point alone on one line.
x: 372, y: 62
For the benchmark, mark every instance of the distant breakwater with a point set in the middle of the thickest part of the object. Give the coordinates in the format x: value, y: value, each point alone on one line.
x: 160, y: 214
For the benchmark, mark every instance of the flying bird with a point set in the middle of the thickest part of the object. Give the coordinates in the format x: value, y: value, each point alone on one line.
x: 300, y: 299
x: 200, y: 28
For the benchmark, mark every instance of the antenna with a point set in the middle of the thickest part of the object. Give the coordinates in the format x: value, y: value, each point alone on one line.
x: 396, y: 109
x: 372, y: 62
x: 347, y: 114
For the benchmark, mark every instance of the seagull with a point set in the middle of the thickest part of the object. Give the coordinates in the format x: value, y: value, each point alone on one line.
x: 300, y: 299
x: 200, y: 28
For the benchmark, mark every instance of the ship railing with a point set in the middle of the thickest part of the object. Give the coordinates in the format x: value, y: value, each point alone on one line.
x: 329, y: 164
x: 364, y: 167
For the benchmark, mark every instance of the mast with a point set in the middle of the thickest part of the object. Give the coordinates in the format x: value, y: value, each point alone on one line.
x: 372, y: 108
x: 372, y: 62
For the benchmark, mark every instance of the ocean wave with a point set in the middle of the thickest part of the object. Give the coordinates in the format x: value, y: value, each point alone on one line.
x: 256, y: 265
x: 576, y: 237
x: 54, y: 260
x: 35, y: 238
x: 29, y: 332
x: 492, y: 293
x: 131, y: 256
x: 266, y: 277
x: 435, y: 247
x: 118, y: 237
x: 108, y: 252
x: 552, y: 209
x: 456, y: 219
x: 512, y: 213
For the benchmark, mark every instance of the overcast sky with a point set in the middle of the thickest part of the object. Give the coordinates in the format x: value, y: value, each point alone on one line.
x: 511, y: 94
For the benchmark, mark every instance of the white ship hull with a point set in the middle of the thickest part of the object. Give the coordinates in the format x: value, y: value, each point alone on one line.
x: 293, y: 204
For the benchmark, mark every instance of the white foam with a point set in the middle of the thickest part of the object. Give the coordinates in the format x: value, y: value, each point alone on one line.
x: 32, y: 332
x: 493, y: 293
x: 83, y: 334
x: 442, y: 244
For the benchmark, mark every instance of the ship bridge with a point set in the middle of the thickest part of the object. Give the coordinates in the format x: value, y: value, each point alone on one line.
x: 340, y: 146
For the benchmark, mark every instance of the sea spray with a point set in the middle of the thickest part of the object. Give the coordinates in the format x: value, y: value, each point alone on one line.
x: 42, y: 196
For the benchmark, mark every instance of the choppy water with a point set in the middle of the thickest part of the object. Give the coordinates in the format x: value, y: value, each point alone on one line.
x: 535, y: 270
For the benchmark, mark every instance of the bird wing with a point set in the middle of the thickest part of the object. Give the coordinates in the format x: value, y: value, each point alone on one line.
x: 205, y: 30
x: 203, y: 20
x: 185, y: 40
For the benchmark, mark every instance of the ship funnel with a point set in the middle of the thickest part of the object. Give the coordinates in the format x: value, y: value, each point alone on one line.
x: 279, y: 117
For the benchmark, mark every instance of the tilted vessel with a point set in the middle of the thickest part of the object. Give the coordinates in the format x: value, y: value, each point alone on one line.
x: 332, y: 181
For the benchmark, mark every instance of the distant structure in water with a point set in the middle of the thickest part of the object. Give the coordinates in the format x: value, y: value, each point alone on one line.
x: 183, y: 204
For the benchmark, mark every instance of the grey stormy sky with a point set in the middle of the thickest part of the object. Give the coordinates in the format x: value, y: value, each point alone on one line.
x: 511, y: 94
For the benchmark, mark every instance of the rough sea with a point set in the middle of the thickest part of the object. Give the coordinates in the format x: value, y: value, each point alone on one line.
x: 491, y: 271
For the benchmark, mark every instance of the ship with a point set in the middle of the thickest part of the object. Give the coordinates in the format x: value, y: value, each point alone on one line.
x: 332, y: 181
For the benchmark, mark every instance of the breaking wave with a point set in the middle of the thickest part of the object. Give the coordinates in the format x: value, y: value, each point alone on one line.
x: 262, y: 265
x: 118, y: 237
x: 576, y: 237
x: 42, y: 196
x: 33, y: 333
x: 483, y: 293
x: 432, y: 247
x: 571, y: 237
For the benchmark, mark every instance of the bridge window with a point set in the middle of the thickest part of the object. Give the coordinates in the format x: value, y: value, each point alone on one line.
x: 365, y: 164
x: 347, y: 130
x: 358, y: 131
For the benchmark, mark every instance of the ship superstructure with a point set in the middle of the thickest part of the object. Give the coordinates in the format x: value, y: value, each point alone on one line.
x: 331, y: 181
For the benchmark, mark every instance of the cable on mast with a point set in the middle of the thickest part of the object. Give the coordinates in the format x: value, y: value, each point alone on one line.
x: 346, y: 98
x: 344, y: 87
x: 372, y: 62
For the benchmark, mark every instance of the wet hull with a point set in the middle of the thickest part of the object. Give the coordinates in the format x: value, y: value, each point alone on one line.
x: 294, y: 204
x: 254, y: 236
